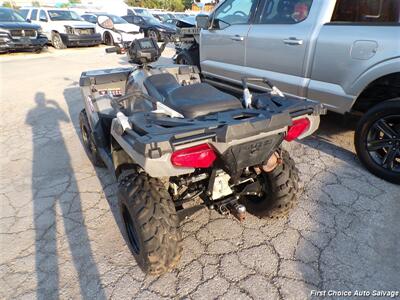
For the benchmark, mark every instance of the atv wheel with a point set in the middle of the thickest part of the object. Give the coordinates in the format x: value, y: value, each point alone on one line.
x: 280, y: 188
x: 57, y: 41
x: 377, y: 140
x: 88, y: 140
x: 151, y: 223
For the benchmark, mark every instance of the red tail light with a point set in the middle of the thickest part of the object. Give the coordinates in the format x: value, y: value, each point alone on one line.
x: 201, y: 156
x: 298, y: 128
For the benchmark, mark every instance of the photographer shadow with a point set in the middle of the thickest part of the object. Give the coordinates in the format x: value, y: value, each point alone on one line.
x: 54, y: 185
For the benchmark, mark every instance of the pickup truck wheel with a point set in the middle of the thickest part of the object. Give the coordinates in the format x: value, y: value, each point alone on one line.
x: 108, y: 39
x: 151, y: 223
x: 57, y: 41
x: 377, y: 140
x: 280, y: 188
x: 88, y: 140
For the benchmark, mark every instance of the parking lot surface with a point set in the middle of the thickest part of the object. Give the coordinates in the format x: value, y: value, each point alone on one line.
x: 60, y: 229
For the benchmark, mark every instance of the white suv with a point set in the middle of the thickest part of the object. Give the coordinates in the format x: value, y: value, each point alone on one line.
x: 63, y: 27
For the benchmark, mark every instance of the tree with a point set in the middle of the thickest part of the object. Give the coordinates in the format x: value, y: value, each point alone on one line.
x: 176, y: 5
x: 188, y: 4
x: 7, y: 4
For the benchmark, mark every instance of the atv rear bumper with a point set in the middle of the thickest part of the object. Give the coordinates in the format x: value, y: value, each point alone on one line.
x: 240, y: 137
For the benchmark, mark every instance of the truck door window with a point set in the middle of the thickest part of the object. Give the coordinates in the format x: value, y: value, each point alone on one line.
x: 367, y: 11
x: 233, y: 12
x: 34, y: 14
x: 42, y: 15
x: 284, y: 11
x: 23, y: 13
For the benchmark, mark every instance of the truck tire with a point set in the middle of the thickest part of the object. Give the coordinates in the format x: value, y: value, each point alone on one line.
x: 150, y: 222
x: 88, y: 140
x: 57, y: 41
x: 280, y: 189
x: 377, y: 140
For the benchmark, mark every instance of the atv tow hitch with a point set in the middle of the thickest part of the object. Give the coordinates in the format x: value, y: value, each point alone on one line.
x: 238, y: 211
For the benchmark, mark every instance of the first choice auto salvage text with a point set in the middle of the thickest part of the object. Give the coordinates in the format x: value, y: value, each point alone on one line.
x: 356, y: 293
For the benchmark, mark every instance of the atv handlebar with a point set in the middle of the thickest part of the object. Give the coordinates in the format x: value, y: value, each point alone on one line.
x: 119, y: 48
x: 245, y: 81
x: 274, y: 89
x: 112, y: 50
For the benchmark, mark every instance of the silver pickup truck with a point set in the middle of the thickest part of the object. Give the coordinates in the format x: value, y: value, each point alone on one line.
x: 343, y: 53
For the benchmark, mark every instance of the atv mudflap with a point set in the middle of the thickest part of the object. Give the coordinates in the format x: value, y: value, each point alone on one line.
x: 241, y: 137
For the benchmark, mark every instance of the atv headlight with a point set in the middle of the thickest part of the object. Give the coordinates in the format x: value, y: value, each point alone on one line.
x: 69, y: 29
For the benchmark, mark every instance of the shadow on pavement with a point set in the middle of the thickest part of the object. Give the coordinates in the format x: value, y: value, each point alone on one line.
x: 333, y: 129
x: 54, y: 186
x: 73, y: 98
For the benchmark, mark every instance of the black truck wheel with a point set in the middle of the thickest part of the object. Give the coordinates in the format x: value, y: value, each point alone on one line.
x: 377, y: 140
x: 280, y: 188
x: 57, y: 41
x: 88, y: 140
x: 151, y: 223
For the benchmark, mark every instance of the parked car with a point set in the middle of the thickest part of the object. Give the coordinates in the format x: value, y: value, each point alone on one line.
x: 17, y: 34
x: 162, y: 17
x: 139, y: 11
x: 345, y: 54
x: 171, y: 23
x: 63, y: 27
x: 151, y: 27
x: 122, y: 32
x: 180, y: 15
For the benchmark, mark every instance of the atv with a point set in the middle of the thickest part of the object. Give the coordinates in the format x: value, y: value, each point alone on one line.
x: 177, y: 145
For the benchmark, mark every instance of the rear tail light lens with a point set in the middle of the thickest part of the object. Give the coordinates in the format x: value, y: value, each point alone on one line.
x: 201, y: 156
x: 298, y: 128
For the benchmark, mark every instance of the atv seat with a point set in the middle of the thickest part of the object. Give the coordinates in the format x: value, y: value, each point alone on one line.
x: 191, y: 100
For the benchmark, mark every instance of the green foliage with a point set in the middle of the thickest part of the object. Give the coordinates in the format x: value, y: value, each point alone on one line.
x: 173, y: 5
x: 188, y: 4
x: 35, y: 3
x: 7, y: 4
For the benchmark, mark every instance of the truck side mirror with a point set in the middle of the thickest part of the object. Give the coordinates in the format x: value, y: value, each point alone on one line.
x: 203, y: 21
x: 105, y: 22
